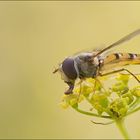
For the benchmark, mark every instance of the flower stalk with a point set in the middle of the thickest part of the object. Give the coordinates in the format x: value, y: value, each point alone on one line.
x: 122, y: 128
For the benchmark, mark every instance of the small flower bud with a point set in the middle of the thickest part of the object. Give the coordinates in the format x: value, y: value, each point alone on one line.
x: 64, y: 105
x: 123, y: 77
x: 119, y: 107
x: 136, y: 91
x: 73, y: 101
x: 120, y: 86
x: 129, y: 97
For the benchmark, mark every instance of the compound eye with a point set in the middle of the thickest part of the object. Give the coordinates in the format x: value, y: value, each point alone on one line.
x: 69, y: 69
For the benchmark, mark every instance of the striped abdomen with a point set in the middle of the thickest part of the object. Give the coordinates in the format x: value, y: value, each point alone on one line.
x: 120, y: 59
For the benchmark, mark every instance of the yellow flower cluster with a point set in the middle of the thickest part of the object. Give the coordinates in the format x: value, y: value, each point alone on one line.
x: 116, y: 101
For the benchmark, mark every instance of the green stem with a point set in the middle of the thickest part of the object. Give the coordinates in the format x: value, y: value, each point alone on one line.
x: 133, y: 107
x: 91, y: 114
x: 120, y: 124
x: 135, y: 110
x: 134, y: 104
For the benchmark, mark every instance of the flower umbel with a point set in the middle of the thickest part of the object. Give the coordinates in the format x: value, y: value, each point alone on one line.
x: 115, y: 101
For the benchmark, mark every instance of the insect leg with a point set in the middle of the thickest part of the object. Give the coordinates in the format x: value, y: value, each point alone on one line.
x: 94, y: 87
x: 97, y: 80
x: 116, y: 71
x: 80, y: 91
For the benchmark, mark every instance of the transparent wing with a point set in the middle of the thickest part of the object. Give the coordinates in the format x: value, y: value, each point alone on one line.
x: 89, y: 50
x: 122, y: 40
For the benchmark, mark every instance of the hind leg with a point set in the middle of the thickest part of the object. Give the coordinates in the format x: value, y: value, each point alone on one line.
x: 117, y: 71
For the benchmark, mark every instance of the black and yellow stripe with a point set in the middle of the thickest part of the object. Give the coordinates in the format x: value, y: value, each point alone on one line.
x: 120, y: 59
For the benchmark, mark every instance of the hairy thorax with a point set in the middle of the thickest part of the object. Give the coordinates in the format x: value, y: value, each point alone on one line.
x: 86, y: 68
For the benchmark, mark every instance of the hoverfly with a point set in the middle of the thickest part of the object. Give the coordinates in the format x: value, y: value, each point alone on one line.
x: 95, y: 63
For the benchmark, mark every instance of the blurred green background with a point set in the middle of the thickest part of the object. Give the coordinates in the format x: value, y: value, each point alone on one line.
x: 34, y: 38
